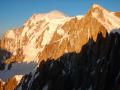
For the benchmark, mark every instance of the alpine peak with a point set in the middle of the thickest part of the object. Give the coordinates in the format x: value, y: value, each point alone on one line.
x: 96, y: 6
x: 97, y: 9
x: 108, y: 19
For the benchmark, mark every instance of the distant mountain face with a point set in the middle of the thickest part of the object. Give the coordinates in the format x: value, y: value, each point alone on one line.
x: 56, y: 33
x: 48, y: 37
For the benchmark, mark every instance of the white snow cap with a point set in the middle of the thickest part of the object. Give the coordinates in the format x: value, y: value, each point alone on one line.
x: 96, y: 5
x: 50, y: 15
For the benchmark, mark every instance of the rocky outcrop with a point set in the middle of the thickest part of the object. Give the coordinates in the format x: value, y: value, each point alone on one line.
x: 11, y: 83
x: 1, y: 85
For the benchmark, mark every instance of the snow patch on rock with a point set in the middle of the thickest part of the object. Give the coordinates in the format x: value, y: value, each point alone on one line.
x: 18, y: 78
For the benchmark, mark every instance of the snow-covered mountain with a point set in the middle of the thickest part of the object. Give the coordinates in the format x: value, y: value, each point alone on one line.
x: 43, y: 33
x: 48, y: 37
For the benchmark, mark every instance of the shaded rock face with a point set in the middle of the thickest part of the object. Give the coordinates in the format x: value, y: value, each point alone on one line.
x: 117, y: 14
x: 96, y: 67
x: 4, y: 55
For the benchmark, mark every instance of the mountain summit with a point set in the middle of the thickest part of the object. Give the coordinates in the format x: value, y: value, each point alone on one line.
x: 52, y: 46
x: 105, y: 17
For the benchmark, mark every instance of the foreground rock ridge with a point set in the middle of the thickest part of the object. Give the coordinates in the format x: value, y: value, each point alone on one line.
x: 57, y: 52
